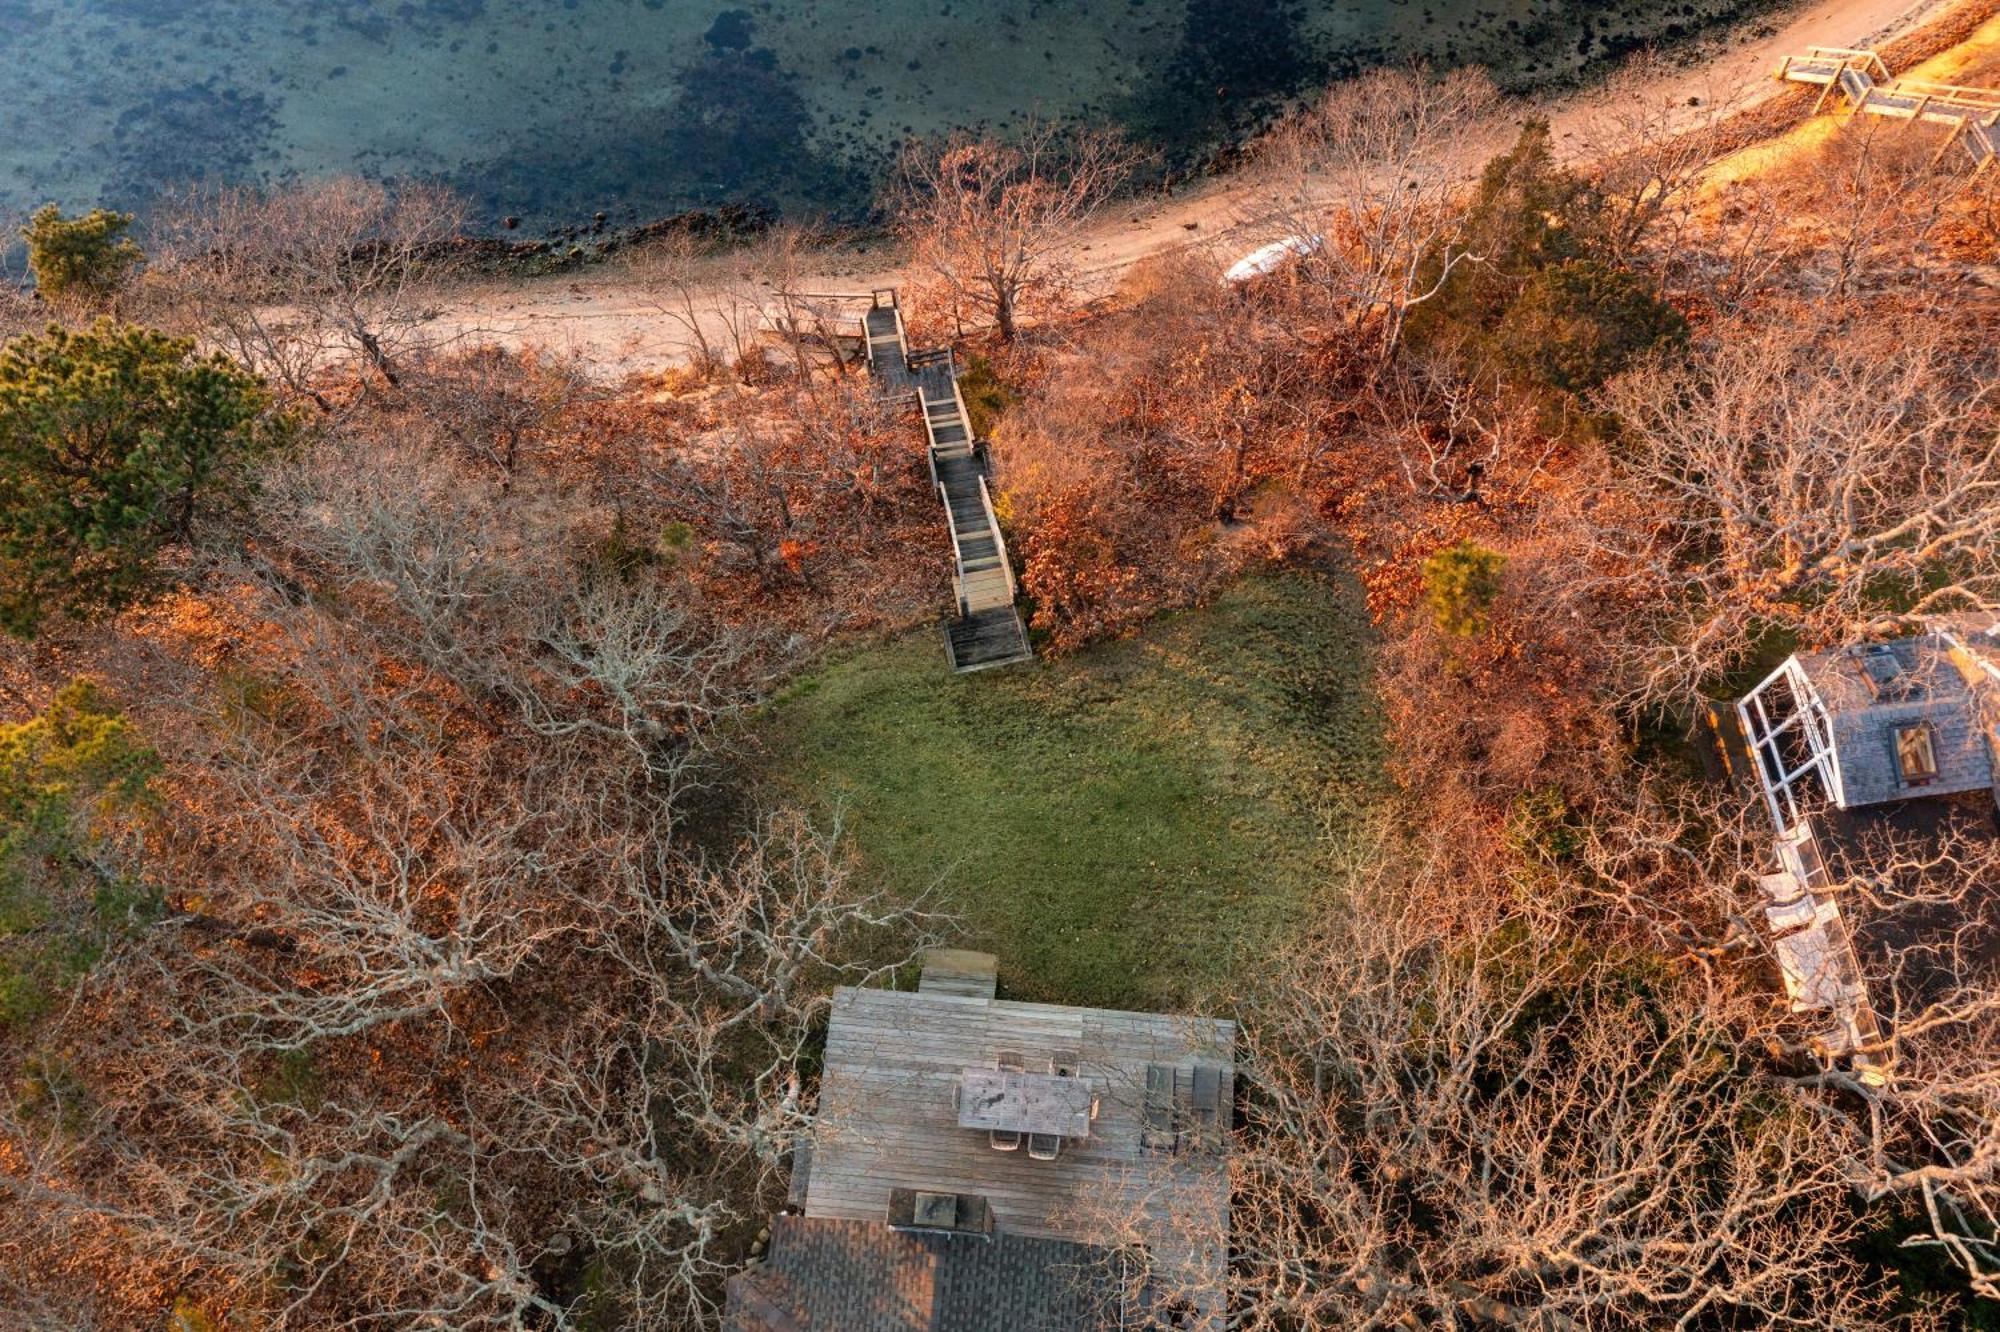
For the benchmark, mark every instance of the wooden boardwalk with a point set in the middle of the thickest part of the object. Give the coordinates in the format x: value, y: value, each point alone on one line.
x: 987, y: 629
x: 1864, y: 80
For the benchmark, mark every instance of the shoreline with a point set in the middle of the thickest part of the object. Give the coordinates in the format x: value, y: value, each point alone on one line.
x: 595, y: 233
x: 596, y: 310
x: 586, y: 240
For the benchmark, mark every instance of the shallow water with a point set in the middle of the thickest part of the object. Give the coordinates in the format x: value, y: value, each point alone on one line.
x: 556, y: 109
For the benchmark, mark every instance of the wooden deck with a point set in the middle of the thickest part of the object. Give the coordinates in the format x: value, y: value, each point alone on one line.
x: 986, y: 629
x: 1973, y: 114
x: 888, y: 1123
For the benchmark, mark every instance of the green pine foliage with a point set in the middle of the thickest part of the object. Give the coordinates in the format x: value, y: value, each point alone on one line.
x: 70, y: 779
x: 111, y: 441
x: 1460, y: 584
x: 987, y: 396
x: 1528, y: 280
x: 1526, y: 214
x: 87, y: 257
x: 1579, y: 323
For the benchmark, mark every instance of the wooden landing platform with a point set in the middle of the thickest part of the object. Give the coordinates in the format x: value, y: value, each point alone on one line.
x: 959, y: 971
x: 986, y: 639
x: 1860, y: 76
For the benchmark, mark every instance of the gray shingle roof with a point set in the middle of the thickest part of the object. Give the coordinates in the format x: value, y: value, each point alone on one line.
x: 824, y: 1275
x: 1871, y: 693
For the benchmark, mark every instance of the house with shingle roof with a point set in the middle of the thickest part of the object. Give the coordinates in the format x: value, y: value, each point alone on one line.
x: 1843, y: 746
x: 981, y: 1163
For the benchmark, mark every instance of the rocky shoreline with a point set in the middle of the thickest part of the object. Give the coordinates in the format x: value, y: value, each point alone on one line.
x: 569, y: 246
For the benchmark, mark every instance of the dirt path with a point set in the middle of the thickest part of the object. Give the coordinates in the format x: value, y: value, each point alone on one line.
x: 607, y: 318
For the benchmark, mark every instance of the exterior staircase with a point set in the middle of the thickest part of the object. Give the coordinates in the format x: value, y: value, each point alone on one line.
x: 986, y: 629
x: 1864, y: 80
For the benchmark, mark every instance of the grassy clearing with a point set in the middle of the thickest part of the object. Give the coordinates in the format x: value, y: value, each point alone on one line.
x: 1123, y: 827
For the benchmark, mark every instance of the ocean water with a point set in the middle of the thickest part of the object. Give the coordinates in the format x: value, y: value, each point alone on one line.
x: 553, y: 110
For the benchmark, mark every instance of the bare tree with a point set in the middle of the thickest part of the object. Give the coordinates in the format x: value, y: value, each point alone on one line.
x: 1452, y: 434
x: 1371, y: 181
x: 1797, y: 473
x: 291, y: 281
x: 443, y: 1002
x: 687, y: 1101
x: 1456, y: 1121
x: 379, y: 888
x: 496, y: 406
x: 1741, y: 259
x: 1914, y: 1105
x: 814, y: 325
x: 1902, y: 1086
x: 1646, y: 153
x: 712, y: 296
x: 1874, y: 201
x: 992, y: 225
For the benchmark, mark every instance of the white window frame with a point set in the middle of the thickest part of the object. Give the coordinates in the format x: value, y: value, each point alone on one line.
x: 1762, y: 733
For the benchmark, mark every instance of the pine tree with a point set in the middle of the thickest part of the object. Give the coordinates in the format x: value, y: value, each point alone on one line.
x: 110, y: 441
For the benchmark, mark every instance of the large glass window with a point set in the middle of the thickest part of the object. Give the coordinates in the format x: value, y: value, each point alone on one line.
x: 1916, y: 754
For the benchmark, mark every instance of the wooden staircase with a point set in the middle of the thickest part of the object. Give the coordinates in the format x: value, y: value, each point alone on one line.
x: 986, y: 629
x: 1864, y: 80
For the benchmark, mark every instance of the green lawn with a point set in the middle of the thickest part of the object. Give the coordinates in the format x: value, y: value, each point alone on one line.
x: 1126, y: 827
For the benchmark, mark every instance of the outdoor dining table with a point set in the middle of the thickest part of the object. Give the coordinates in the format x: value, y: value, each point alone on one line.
x: 1014, y: 1102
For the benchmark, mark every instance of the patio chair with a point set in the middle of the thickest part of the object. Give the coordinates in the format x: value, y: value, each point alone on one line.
x: 1005, y: 1140
x: 1044, y: 1146
x: 1010, y: 1061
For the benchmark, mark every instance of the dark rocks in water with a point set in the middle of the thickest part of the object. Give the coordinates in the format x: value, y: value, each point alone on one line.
x: 558, y: 138
x: 198, y: 132
x: 1235, y: 57
x: 731, y: 30
x: 510, y: 222
x: 730, y: 220
x: 737, y: 129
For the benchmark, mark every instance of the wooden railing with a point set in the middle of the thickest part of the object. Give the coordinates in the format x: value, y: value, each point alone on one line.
x: 957, y: 553
x: 1984, y: 99
x: 986, y: 642
x: 1849, y: 57
x: 999, y: 541
x: 1973, y: 113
